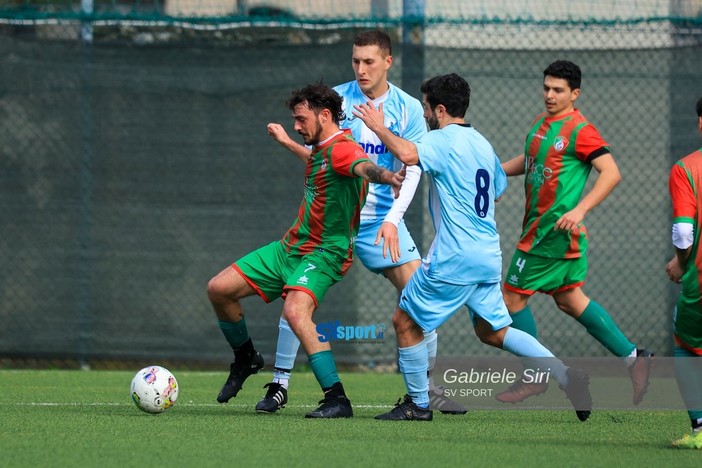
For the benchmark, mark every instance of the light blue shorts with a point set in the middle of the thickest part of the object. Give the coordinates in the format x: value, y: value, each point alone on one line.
x: 430, y: 302
x: 372, y: 255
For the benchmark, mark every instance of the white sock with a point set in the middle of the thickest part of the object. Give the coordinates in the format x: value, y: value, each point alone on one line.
x: 629, y: 360
x: 282, y: 381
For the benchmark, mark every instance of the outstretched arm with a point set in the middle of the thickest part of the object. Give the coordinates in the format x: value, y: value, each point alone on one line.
x: 514, y: 166
x: 404, y: 150
x: 278, y: 133
x: 608, y: 179
x: 379, y: 175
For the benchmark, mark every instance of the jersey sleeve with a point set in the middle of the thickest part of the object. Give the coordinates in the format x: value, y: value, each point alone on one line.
x: 589, y: 144
x: 345, y: 156
x: 500, y: 179
x: 429, y: 160
x: 682, y: 195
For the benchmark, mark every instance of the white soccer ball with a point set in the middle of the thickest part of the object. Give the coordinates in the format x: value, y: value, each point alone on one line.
x: 154, y: 389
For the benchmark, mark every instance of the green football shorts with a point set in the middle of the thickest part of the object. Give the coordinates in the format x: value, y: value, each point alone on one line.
x: 529, y: 274
x: 272, y: 271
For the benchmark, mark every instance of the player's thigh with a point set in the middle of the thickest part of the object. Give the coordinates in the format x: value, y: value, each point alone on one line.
x: 429, y: 302
x: 265, y: 270
x: 687, y: 320
x: 400, y: 275
x: 314, y: 275
x: 486, y: 302
x: 528, y: 274
x: 229, y: 283
x: 371, y: 255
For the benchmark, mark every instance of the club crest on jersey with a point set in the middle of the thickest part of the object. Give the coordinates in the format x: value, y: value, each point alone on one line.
x: 560, y: 143
x: 324, y: 164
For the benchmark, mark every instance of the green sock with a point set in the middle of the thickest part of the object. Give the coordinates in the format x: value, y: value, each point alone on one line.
x: 236, y: 333
x: 524, y: 320
x: 687, y: 375
x: 324, y: 368
x: 601, y: 326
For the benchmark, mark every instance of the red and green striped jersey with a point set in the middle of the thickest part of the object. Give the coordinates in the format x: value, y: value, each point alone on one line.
x: 329, y: 214
x: 684, y: 185
x: 557, y: 158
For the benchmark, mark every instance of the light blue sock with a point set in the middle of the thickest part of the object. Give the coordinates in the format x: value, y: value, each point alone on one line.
x: 285, y: 351
x: 523, y: 344
x: 431, y: 339
x: 413, y: 365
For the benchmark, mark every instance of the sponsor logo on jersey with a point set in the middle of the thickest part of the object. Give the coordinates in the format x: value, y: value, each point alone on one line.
x: 372, y: 148
x: 537, y: 173
x: 311, y: 191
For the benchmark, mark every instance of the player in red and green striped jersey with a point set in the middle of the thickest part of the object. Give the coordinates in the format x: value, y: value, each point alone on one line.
x: 314, y: 254
x: 560, y: 150
x: 685, y: 184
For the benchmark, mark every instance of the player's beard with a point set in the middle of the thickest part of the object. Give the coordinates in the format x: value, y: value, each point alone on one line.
x: 313, y: 139
x: 433, y: 122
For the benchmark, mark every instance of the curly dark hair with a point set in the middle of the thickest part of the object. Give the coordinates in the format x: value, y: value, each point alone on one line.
x: 318, y: 97
x: 451, y: 90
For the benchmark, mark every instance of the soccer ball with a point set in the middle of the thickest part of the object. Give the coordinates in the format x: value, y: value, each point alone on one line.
x: 154, y: 389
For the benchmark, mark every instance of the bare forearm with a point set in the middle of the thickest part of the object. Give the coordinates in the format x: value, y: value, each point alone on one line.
x: 514, y: 166
x: 601, y: 190
x: 683, y: 255
x: 404, y: 150
x: 297, y: 149
x: 374, y: 173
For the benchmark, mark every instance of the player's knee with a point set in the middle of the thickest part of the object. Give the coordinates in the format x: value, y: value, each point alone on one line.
x: 563, y: 306
x: 293, y: 316
x: 568, y: 306
x: 214, y: 291
x: 514, y: 302
x: 488, y: 336
x: 402, y: 322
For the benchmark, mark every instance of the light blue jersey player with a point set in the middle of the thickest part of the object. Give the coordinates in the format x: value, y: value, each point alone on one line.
x: 383, y: 245
x: 464, y: 263
x: 465, y: 179
x: 403, y: 117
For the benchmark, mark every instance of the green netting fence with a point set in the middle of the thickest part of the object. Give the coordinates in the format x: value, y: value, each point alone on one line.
x: 135, y: 162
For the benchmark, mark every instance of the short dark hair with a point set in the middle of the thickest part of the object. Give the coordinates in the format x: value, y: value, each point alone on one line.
x: 318, y: 97
x: 699, y: 107
x: 567, y: 71
x: 376, y: 38
x: 451, y: 90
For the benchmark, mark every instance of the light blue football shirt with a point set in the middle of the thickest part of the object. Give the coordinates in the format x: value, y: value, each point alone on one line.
x: 465, y: 177
x: 404, y: 116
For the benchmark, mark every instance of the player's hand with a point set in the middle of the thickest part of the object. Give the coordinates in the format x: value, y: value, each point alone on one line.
x: 397, y: 179
x: 370, y: 115
x: 674, y: 271
x: 278, y: 133
x: 570, y: 221
x: 391, y: 242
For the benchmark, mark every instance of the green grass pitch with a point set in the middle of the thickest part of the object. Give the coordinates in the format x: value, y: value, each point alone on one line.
x: 52, y: 418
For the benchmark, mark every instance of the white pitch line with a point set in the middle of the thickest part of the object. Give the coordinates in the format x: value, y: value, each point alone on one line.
x: 190, y: 404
